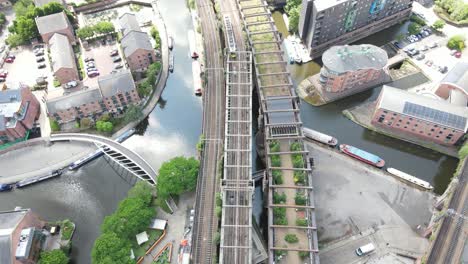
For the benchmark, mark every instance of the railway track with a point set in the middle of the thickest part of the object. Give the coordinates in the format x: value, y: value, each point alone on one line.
x: 203, y: 248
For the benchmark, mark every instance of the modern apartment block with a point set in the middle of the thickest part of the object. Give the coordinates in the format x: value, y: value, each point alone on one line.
x: 352, y: 67
x: 419, y: 116
x: 325, y: 23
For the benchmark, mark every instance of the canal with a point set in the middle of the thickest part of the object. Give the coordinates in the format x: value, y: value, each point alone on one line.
x: 423, y: 163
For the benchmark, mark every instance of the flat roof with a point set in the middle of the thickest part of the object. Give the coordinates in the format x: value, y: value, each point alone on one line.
x: 25, y: 243
x: 340, y: 59
x: 424, y: 108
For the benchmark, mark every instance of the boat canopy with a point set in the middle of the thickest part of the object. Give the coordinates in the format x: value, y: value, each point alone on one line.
x: 317, y: 135
x: 364, y: 154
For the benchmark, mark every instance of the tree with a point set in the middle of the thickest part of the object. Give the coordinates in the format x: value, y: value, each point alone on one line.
x: 14, y: 40
x: 400, y: 36
x: 177, y: 175
x: 290, y: 4
x: 143, y: 191
x: 463, y: 152
x: 456, y: 42
x: 85, y: 32
x: 55, y: 256
x: 133, y: 113
x: 414, y: 28
x: 54, y: 125
x: 291, y: 238
x: 294, y: 14
x: 104, y: 27
x: 110, y: 249
x: 85, y: 122
x: 104, y: 126
x: 438, y: 25
x: 21, y: 7
x: 155, y: 34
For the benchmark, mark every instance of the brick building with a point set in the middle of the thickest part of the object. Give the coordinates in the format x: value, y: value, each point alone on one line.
x: 136, y: 45
x: 62, y: 59
x: 55, y: 23
x: 416, y: 115
x: 19, y: 108
x: 352, y: 67
x: 114, y: 92
x: 21, y: 237
x: 326, y: 23
x: 454, y: 86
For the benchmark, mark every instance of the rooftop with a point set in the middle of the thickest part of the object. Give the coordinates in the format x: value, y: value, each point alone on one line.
x: 10, y: 103
x: 458, y: 76
x: 424, y: 108
x: 61, y: 52
x: 8, y: 221
x: 40, y: 3
x: 340, y: 59
x: 73, y: 100
x: 111, y: 84
x: 135, y: 40
x: 326, y: 4
x: 128, y: 22
x: 52, y: 23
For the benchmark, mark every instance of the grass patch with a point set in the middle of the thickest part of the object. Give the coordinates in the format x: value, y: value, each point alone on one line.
x: 67, y: 229
x: 140, y: 250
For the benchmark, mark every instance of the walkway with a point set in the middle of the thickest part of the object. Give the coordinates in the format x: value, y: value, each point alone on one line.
x: 130, y: 160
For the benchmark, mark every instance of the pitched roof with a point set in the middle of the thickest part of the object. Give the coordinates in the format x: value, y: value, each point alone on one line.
x: 340, y: 59
x: 52, y: 23
x: 135, y: 40
x: 61, y: 52
x: 40, y: 3
x: 424, y: 108
x: 458, y: 76
x: 8, y: 221
x: 73, y: 100
x: 128, y: 22
x: 111, y: 84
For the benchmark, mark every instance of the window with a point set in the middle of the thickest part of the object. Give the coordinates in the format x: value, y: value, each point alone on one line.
x: 394, y: 114
x: 432, y: 130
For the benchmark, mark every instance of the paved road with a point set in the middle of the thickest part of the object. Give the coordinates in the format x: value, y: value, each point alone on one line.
x: 450, y: 242
x: 205, y: 226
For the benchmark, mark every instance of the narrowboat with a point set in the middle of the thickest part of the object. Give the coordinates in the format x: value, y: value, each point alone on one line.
x: 171, y: 63
x: 33, y: 180
x: 362, y: 155
x: 320, y: 137
x: 5, y: 187
x: 410, y: 178
x: 170, y: 42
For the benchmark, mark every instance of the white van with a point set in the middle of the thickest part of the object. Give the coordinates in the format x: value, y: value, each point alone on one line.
x: 366, y: 249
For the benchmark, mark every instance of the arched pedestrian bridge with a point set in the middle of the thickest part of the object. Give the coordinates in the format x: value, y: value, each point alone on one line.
x: 125, y: 157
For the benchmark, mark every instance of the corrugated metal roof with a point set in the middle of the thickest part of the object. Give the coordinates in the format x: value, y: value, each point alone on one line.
x: 61, y: 52
x: 458, y: 76
x: 340, y: 59
x: 135, y: 40
x: 52, y: 23
x: 421, y: 107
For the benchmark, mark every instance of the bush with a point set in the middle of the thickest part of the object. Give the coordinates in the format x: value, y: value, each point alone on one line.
x: 301, y: 222
x: 291, y: 238
x: 277, y: 177
x: 279, y: 216
x: 14, y: 40
x: 414, y: 28
x: 67, y: 229
x: 219, y: 200
x: 274, y: 146
x: 438, y: 25
x: 85, y: 122
x: 133, y: 113
x: 279, y: 198
x: 300, y: 199
x: 56, y: 83
x: 54, y: 125
x: 101, y: 27
x: 456, y: 9
x: 275, y: 160
x: 177, y: 176
x: 155, y: 34
x: 104, y: 126
x: 303, y: 254
x: 299, y: 177
x: 219, y: 211
x: 55, y: 256
x: 298, y: 161
x: 418, y: 20
x: 456, y: 42
x: 463, y: 152
x: 296, y: 146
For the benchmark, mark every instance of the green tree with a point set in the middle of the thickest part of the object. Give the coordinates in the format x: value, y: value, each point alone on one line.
x: 110, y: 249
x: 438, y: 25
x: 143, y: 191
x: 54, y: 126
x: 133, y: 113
x: 55, y: 256
x: 463, y: 152
x: 104, y: 27
x: 291, y: 238
x: 104, y: 126
x: 14, y: 40
x: 294, y: 14
x: 22, y: 6
x: 85, y: 32
x: 414, y: 28
x: 177, y: 175
x: 291, y: 4
x: 155, y: 34
x: 400, y: 36
x: 456, y: 42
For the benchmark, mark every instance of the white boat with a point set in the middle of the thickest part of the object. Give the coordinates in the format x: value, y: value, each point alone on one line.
x: 197, y: 84
x: 170, y: 42
x: 171, y: 63
x: 320, y: 137
x: 410, y: 178
x: 289, y: 50
x: 192, y: 44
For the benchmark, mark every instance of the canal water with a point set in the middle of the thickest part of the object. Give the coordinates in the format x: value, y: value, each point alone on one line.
x: 423, y: 163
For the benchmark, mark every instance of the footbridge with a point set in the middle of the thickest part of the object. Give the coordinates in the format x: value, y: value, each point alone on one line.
x: 123, y: 156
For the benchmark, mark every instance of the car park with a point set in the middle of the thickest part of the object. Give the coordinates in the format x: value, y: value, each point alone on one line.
x: 93, y: 74
x: 420, y: 57
x: 116, y: 59
x: 118, y: 66
x: 40, y: 59
x: 90, y: 64
x: 41, y: 66
x: 71, y: 84
x: 114, y: 52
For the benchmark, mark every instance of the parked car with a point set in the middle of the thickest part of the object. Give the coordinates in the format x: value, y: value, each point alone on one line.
x: 90, y: 69
x: 420, y: 57
x: 9, y: 60
x: 12, y: 57
x: 40, y: 59
x: 2, y: 79
x: 118, y: 66
x: 452, y: 52
x: 424, y: 48
x: 93, y: 74
x: 458, y: 54
x: 114, y: 52
x: 429, y: 63
x: 3, y: 71
x: 88, y: 59
x: 364, y: 250
x: 116, y: 59
x: 38, y: 46
x: 3, y: 74
x: 443, y: 69
x: 71, y: 84
x: 2, y: 48
x: 90, y: 65
x: 433, y: 45
x: 41, y: 65
x: 39, y: 53
x: 397, y: 44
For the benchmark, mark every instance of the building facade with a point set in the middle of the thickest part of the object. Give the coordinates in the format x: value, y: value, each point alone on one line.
x: 19, y: 109
x: 419, y: 116
x: 113, y: 94
x: 352, y: 67
x: 21, y: 238
x: 326, y: 23
x: 62, y: 59
x: 55, y: 23
x: 4, y: 3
